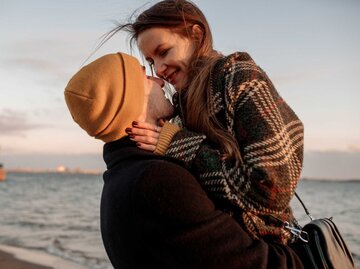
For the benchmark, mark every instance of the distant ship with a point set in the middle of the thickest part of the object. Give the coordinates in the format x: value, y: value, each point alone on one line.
x: 2, y: 172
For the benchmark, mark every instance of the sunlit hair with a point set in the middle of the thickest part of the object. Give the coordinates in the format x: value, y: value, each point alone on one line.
x: 180, y: 16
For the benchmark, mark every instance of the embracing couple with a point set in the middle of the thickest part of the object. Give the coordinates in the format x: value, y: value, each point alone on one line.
x: 210, y: 189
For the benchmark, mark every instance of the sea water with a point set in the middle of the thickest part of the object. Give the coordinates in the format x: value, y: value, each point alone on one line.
x: 59, y: 213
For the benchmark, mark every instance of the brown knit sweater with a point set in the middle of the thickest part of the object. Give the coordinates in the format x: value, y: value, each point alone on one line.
x: 270, y: 137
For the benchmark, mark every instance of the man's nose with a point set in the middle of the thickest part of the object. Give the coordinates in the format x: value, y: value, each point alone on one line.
x: 159, y: 81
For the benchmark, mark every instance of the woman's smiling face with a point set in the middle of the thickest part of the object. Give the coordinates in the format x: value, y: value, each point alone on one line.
x: 168, y: 52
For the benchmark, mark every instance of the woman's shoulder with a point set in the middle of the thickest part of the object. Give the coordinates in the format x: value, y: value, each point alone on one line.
x: 240, y: 60
x: 239, y: 66
x: 239, y: 56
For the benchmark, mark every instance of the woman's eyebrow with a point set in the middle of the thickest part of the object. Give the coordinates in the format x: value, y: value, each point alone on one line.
x: 149, y: 59
x: 156, y: 50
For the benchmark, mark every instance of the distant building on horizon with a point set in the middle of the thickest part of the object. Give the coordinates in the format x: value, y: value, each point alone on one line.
x: 62, y: 169
x: 2, y: 172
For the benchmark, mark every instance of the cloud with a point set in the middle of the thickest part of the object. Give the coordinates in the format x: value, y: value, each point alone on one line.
x: 332, y: 164
x: 50, y: 161
x: 354, y: 148
x: 46, y: 74
x: 15, y: 123
x: 49, y: 62
x: 37, y: 65
x: 313, y: 73
x: 32, y: 63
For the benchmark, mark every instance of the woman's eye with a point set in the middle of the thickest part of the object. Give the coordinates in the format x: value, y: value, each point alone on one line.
x: 164, y: 52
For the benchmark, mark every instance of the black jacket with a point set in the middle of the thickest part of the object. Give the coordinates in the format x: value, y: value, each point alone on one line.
x: 154, y: 214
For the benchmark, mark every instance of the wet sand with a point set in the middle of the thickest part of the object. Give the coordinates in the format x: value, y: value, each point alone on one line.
x: 19, y: 258
x: 8, y: 261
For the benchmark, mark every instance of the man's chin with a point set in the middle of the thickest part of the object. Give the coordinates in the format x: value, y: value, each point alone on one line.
x: 170, y: 115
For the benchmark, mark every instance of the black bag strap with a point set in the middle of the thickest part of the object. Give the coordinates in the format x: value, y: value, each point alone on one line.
x: 303, y: 205
x: 296, y: 229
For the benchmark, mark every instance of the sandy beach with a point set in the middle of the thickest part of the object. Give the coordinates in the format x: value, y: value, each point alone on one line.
x: 8, y: 261
x: 16, y: 258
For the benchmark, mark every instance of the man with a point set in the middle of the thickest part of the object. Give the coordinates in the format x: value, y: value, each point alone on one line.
x: 154, y: 213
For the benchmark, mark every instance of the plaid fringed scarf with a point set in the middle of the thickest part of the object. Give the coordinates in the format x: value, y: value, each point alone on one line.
x: 270, y: 136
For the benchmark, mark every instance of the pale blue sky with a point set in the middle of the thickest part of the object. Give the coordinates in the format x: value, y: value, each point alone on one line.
x: 308, y: 48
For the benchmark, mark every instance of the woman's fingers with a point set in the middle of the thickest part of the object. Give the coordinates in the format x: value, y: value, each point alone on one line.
x: 146, y: 126
x: 144, y: 139
x: 143, y: 132
x: 144, y: 129
x: 146, y: 146
x: 145, y: 135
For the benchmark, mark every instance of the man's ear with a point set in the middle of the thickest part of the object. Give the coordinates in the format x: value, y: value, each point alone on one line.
x: 197, y: 33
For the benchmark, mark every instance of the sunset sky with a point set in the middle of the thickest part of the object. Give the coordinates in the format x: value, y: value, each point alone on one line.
x: 310, y: 49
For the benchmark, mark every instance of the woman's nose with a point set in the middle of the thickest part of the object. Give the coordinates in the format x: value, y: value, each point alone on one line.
x: 160, y: 69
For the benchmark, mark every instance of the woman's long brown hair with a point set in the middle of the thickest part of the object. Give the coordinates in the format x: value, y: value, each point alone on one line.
x: 180, y: 16
x: 200, y: 116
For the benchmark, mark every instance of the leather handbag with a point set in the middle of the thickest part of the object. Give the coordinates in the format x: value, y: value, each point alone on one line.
x: 320, y: 244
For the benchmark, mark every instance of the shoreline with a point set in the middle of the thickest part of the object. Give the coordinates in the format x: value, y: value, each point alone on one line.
x: 15, y: 257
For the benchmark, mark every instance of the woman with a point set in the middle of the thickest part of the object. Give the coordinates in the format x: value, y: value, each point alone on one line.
x: 256, y: 138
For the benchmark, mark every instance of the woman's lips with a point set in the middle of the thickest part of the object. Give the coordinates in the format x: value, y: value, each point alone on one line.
x: 172, y: 77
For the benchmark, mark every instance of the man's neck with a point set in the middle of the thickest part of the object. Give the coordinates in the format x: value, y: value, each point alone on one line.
x: 147, y: 119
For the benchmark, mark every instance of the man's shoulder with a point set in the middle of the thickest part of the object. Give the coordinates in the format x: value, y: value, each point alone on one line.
x: 165, y: 170
x: 163, y: 166
x: 123, y: 155
x: 149, y: 170
x: 172, y: 192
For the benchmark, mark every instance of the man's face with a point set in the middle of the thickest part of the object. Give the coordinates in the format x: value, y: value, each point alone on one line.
x: 157, y: 106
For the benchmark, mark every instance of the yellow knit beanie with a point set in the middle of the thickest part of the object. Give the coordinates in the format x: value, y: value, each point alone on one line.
x: 105, y: 96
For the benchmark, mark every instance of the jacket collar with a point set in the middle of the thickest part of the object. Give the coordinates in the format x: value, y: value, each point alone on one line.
x: 125, y: 150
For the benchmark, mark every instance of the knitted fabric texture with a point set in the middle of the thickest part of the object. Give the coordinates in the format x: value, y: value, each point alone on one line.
x: 270, y: 138
x: 167, y: 133
x: 106, y: 95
